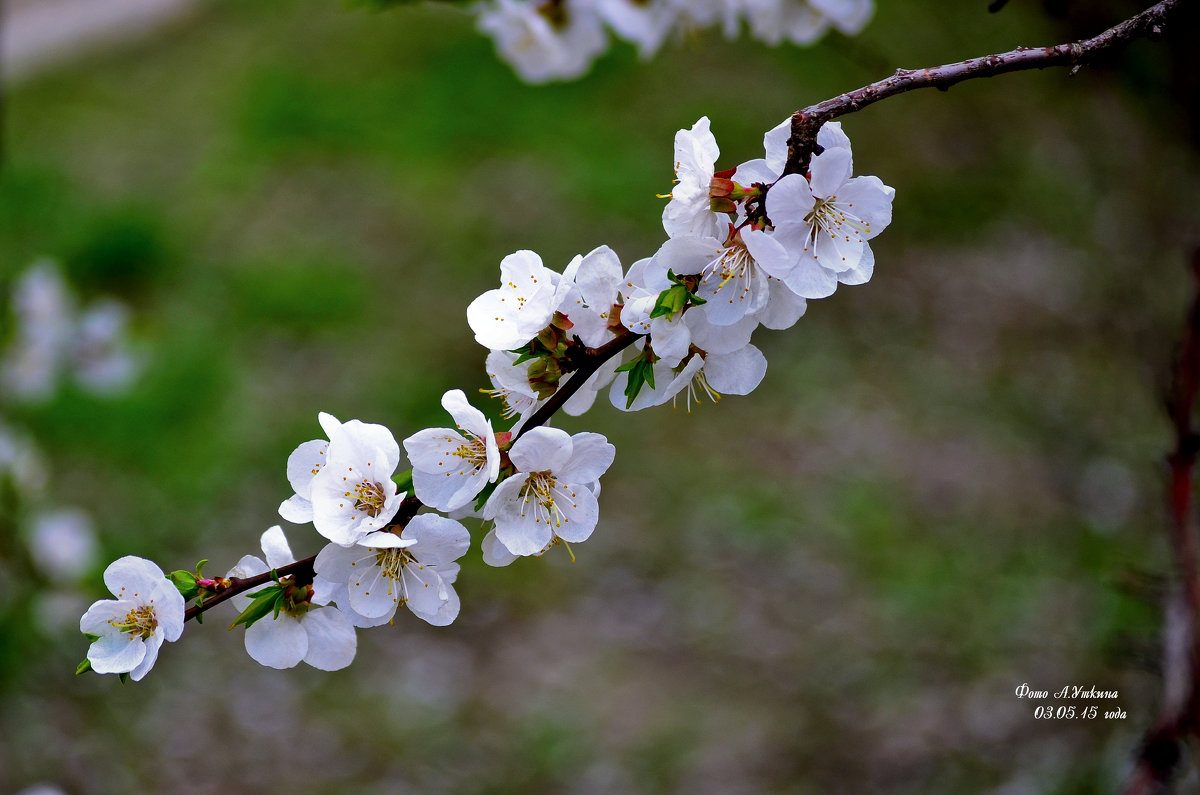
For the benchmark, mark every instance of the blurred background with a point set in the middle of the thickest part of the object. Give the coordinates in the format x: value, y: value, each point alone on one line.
x: 948, y: 484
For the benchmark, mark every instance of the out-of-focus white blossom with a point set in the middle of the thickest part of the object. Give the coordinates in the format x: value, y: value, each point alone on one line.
x: 548, y: 40
x: 44, y: 312
x: 544, y: 41
x: 62, y: 543
x: 49, y: 340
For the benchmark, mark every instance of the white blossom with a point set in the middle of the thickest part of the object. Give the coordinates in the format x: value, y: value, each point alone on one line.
x: 523, y: 305
x: 452, y: 465
x: 589, y: 288
x: 344, y: 486
x: 544, y: 41
x: 825, y: 221
x: 22, y: 462
x: 148, y: 609
x: 62, y: 543
x: 321, y: 636
x: 103, y: 362
x: 510, y: 385
x: 50, y: 339
x: 689, y: 212
x: 643, y: 23
x: 415, y: 568
x: 551, y: 495
x: 44, y: 313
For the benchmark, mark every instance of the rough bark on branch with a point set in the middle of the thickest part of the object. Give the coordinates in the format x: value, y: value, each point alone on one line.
x: 805, y: 123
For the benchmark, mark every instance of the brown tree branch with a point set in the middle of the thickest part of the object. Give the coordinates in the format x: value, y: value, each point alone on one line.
x: 802, y: 143
x: 1179, y: 715
x: 589, y: 363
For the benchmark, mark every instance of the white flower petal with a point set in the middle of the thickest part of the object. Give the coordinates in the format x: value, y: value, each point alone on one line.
x: 466, y: 416
x: 541, y: 449
x: 437, y: 540
x: 331, y: 639
x: 275, y: 546
x: 522, y: 527
x: 131, y: 576
x: 429, y: 597
x: 277, y: 643
x: 829, y: 171
x: 810, y: 280
x: 591, y: 456
x: 861, y: 273
x: 116, y: 653
x: 494, y: 552
x: 580, y: 512
x: 152, y: 645
x: 296, y: 509
x: 304, y: 463
x: 782, y: 311
x: 736, y: 373
x: 373, y: 593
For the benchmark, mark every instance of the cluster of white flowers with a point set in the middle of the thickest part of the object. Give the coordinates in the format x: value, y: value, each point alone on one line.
x: 51, y: 337
x: 747, y: 246
x: 548, y: 40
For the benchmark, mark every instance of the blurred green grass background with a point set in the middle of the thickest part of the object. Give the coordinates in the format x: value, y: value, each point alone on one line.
x: 947, y: 485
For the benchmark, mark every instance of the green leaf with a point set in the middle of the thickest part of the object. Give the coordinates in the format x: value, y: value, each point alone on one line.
x: 670, y: 301
x: 185, y: 581
x: 200, y: 568
x: 640, y: 374
x: 403, y: 480
x: 123, y: 677
x: 263, y: 603
x: 83, y: 667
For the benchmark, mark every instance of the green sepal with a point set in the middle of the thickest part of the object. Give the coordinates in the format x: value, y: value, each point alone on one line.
x: 264, y: 602
x: 403, y: 480
x: 482, y: 499
x: 83, y: 667
x: 524, y: 354
x: 185, y: 582
x: 90, y: 637
x: 124, y: 677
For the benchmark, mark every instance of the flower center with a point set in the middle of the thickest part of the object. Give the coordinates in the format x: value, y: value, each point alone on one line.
x: 542, y: 490
x: 473, y: 450
x: 829, y: 216
x: 368, y: 497
x: 733, y: 262
x: 392, y: 561
x: 140, y: 622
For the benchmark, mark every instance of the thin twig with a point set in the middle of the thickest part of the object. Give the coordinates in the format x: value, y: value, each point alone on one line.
x: 805, y: 123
